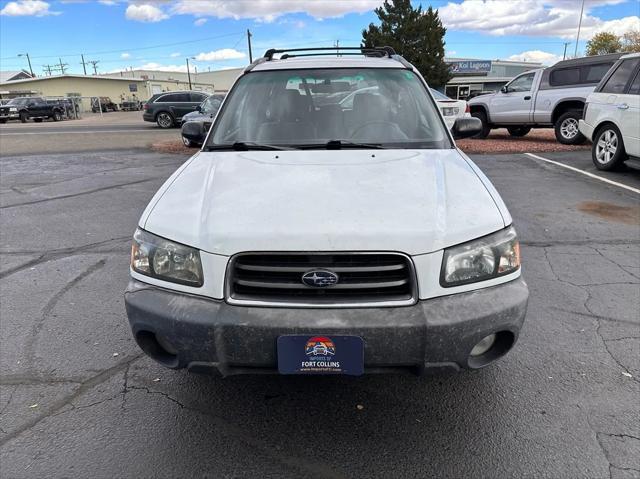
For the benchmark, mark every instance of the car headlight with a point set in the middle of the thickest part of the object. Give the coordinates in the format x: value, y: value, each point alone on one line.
x: 489, y: 257
x: 163, y: 259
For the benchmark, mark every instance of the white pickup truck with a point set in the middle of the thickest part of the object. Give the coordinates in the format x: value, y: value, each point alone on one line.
x: 551, y: 97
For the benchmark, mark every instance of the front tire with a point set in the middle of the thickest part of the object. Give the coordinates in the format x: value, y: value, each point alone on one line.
x: 607, y: 151
x: 519, y: 131
x: 486, y: 128
x: 57, y: 116
x: 164, y: 120
x: 566, y: 128
x: 24, y: 116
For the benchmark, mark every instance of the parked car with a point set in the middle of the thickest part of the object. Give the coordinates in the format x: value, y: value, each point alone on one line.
x: 194, y: 132
x: 362, y: 228
x: 612, y: 115
x: 167, y: 109
x: 105, y: 104
x: 476, y: 93
x: 35, y: 108
x: 206, y: 110
x: 551, y: 97
x: 130, y: 105
x: 451, y: 109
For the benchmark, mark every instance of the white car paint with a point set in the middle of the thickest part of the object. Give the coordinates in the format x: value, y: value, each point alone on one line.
x: 416, y: 202
x: 621, y: 109
x: 451, y: 109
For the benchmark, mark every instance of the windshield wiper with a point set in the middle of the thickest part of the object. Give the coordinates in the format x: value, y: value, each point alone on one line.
x: 340, y: 144
x: 245, y: 146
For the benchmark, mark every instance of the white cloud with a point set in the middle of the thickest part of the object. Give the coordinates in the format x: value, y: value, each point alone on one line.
x: 162, y: 68
x: 269, y: 10
x: 553, y: 18
x: 108, y: 2
x: 217, y: 55
x: 125, y: 55
x: 36, y: 8
x: 200, y: 21
x: 145, y: 13
x: 175, y: 54
x: 545, y: 58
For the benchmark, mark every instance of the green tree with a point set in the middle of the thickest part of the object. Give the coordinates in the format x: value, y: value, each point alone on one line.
x: 631, y: 41
x: 602, y: 43
x: 416, y: 35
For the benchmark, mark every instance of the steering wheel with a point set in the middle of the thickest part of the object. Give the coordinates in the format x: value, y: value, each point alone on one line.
x: 387, y: 126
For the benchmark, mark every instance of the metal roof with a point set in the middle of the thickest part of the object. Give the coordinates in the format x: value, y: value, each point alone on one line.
x: 87, y: 77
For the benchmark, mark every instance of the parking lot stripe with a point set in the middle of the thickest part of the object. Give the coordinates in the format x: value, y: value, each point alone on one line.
x: 84, y: 132
x: 591, y: 175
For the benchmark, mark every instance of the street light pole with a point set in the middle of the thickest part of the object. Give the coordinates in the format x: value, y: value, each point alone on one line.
x: 575, y: 54
x: 28, y: 60
x: 189, y: 75
x: 564, y: 55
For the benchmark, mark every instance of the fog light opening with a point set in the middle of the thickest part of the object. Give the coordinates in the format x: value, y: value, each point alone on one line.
x: 490, y: 348
x: 157, y: 348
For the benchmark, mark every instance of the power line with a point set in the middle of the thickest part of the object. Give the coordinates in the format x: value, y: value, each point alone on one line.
x: 94, y: 63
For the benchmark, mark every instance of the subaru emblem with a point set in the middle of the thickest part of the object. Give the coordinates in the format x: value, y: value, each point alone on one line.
x: 319, y: 278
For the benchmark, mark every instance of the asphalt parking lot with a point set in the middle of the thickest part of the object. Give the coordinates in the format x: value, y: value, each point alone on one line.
x: 79, y: 400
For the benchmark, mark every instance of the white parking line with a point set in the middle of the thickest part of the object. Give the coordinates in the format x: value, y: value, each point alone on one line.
x: 586, y: 173
x: 83, y: 132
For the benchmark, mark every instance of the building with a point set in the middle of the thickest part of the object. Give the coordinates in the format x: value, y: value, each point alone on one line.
x: 471, y: 75
x: 218, y: 80
x: 118, y: 88
x: 14, y: 75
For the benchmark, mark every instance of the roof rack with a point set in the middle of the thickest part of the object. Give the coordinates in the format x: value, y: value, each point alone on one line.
x: 367, y: 51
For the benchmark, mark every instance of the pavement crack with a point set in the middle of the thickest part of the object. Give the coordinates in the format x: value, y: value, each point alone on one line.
x: 4, y: 408
x: 85, y: 386
x: 75, y: 195
x: 30, y: 342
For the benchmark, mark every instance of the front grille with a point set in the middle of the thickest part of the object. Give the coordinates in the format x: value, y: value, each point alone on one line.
x: 364, y: 279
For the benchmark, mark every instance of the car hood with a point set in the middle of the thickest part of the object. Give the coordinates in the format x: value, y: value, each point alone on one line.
x: 195, y: 116
x: 481, y: 99
x: 412, y: 201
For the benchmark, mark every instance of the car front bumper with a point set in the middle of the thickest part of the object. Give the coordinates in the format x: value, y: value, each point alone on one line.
x: 9, y: 116
x: 211, y: 336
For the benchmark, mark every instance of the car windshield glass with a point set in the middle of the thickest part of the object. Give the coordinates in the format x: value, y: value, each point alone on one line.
x: 439, y: 96
x: 210, y: 105
x: 306, y: 108
x: 18, y: 101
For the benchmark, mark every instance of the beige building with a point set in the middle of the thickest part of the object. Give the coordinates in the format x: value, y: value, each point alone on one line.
x: 118, y: 88
x: 219, y: 80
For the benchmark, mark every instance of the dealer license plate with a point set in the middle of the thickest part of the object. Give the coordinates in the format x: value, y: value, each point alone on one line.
x: 320, y: 354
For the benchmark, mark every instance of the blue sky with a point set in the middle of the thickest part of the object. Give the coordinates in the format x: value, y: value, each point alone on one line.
x: 162, y: 34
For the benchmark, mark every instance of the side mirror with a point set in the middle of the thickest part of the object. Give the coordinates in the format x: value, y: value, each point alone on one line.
x: 504, y: 89
x: 194, y: 131
x: 199, y: 108
x: 466, y: 127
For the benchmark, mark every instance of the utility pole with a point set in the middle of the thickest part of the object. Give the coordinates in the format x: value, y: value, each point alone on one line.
x: 28, y: 60
x: 94, y: 63
x: 47, y: 68
x: 249, y: 44
x: 62, y: 66
x: 337, y: 45
x: 84, y: 67
x: 564, y: 55
x: 189, y: 75
x: 575, y: 54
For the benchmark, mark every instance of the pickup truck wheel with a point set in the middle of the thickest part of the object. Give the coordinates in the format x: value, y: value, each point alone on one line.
x: 164, y: 120
x: 24, y: 116
x: 566, y: 128
x: 57, y: 116
x: 519, y: 131
x: 486, y: 128
x: 607, y: 151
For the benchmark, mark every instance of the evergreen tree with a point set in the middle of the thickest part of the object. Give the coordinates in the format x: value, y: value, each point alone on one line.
x: 416, y: 35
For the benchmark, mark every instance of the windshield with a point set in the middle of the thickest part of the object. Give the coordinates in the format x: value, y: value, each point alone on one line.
x: 439, y: 96
x: 306, y: 108
x: 210, y: 105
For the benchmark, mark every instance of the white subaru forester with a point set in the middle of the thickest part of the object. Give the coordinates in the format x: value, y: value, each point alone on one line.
x: 307, y: 224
